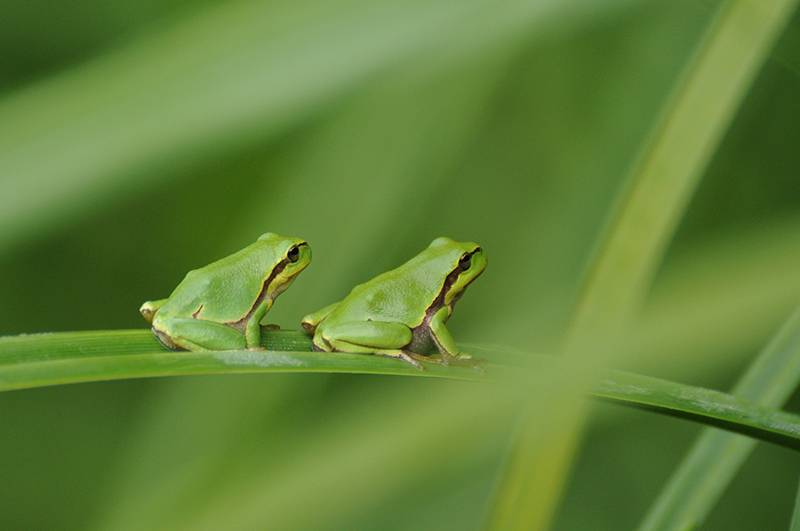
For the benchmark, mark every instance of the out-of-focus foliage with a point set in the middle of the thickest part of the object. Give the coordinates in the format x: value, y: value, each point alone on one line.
x: 141, y: 139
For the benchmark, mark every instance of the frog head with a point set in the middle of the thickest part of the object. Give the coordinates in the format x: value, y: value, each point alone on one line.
x: 465, y: 261
x: 292, y: 256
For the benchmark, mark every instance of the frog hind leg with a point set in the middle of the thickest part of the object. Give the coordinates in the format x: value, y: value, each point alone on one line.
x: 409, y: 357
x: 311, y: 321
x: 196, y: 334
x: 370, y: 337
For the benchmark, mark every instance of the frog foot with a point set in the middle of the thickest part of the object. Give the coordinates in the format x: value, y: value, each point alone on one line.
x: 466, y: 360
x: 413, y: 358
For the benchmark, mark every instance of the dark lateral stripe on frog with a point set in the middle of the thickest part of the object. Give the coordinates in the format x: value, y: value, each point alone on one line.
x: 438, y: 302
x: 241, y: 324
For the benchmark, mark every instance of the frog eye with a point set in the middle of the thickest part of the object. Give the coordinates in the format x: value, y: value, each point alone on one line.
x: 465, y: 262
x: 293, y: 254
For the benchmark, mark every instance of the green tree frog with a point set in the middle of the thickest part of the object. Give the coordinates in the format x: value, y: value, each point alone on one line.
x: 220, y: 306
x: 402, y: 313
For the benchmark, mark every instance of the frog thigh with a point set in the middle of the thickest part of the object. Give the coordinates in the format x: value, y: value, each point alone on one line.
x: 197, y: 334
x: 366, y: 336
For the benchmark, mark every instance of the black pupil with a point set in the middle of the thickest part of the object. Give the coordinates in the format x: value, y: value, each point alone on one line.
x: 293, y: 254
x: 465, y: 262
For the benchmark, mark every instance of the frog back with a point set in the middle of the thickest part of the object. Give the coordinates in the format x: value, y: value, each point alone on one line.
x: 399, y: 296
x: 226, y: 290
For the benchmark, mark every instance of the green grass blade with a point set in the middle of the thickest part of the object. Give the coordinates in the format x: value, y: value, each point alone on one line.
x: 796, y: 514
x: 727, y: 62
x: 716, y: 457
x: 696, y: 403
x: 70, y: 357
x: 659, y: 190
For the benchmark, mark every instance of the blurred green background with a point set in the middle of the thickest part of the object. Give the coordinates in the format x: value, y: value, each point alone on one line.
x: 142, y: 139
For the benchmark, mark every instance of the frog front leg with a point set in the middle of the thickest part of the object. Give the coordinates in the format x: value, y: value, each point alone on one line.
x: 196, y: 334
x: 445, y: 343
x: 368, y: 337
x: 253, y: 327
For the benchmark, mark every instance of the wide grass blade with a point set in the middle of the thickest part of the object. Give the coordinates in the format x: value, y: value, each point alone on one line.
x: 71, y: 357
x: 37, y: 360
x: 716, y: 457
